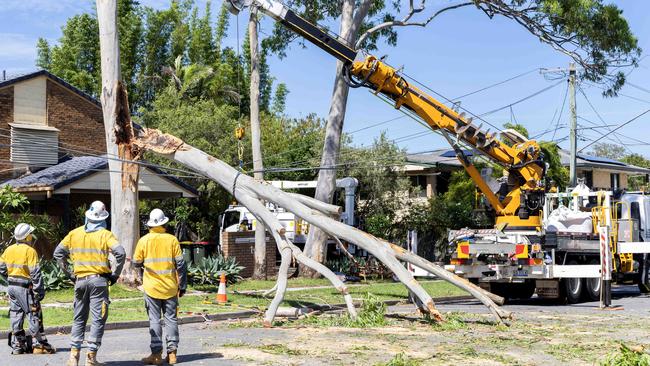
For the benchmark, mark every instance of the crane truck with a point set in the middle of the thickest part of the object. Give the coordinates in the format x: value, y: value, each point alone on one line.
x: 520, y: 233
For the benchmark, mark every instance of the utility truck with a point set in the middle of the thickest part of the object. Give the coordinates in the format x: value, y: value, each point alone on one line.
x: 563, y: 259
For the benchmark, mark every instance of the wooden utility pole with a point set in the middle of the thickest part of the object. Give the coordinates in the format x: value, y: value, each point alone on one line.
x: 123, y: 175
x: 573, y: 120
x: 259, y: 269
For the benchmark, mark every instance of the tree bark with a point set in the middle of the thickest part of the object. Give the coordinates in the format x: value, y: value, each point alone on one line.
x: 249, y: 191
x: 316, y: 246
x: 259, y: 268
x: 118, y: 131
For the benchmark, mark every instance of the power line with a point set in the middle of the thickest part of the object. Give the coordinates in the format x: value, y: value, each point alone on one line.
x: 496, y: 84
x: 523, y: 99
x: 599, y: 116
x: 617, y: 128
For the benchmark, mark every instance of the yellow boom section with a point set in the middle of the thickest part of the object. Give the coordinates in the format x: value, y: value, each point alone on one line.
x: 522, y: 161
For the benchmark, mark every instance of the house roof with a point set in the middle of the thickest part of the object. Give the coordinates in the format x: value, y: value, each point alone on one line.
x: 16, y: 79
x: 75, y: 169
x: 590, y: 161
x: 447, y: 158
x: 435, y: 158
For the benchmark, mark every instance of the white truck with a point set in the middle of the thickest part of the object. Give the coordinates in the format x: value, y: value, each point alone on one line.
x: 238, y: 218
x: 561, y: 261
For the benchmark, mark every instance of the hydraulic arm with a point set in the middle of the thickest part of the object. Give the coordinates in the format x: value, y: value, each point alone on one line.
x: 517, y: 204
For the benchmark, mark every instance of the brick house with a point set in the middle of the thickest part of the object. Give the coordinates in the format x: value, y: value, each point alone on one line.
x: 43, y: 119
x: 53, y: 146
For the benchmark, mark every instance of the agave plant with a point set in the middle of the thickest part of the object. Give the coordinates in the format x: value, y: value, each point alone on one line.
x: 208, y: 270
x: 53, y: 276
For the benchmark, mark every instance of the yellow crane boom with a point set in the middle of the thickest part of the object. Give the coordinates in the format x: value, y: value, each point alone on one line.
x: 518, y: 203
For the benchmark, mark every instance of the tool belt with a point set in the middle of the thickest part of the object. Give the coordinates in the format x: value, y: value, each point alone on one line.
x: 90, y: 277
x: 11, y: 282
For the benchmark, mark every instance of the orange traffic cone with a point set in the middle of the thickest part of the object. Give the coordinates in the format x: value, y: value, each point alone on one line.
x: 222, y: 297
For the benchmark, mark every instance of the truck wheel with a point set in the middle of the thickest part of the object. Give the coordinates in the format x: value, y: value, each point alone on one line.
x: 592, y: 285
x: 573, y: 288
x: 644, y: 274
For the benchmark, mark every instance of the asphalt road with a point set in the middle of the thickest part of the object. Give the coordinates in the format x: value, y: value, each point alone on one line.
x: 201, y: 343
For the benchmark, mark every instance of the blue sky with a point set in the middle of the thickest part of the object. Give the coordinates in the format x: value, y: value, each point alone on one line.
x: 459, y: 52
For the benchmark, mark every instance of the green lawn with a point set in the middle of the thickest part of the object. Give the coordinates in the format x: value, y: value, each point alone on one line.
x: 124, y: 310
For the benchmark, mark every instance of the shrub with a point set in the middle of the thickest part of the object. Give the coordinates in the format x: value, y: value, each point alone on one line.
x: 627, y: 357
x: 208, y: 270
x: 53, y: 276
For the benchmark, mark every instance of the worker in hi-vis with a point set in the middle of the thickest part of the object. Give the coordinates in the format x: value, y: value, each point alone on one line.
x: 19, y: 266
x: 88, y: 247
x: 159, y: 256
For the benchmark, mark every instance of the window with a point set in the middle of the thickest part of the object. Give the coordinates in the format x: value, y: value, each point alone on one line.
x: 34, y: 145
x: 615, y: 181
x: 419, y: 181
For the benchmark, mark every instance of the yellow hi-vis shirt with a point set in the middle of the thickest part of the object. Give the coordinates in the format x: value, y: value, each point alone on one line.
x: 21, y: 260
x: 89, y: 251
x: 159, y: 251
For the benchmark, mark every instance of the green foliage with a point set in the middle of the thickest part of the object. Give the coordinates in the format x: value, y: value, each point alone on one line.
x: 452, y: 210
x: 556, y: 172
x: 11, y: 200
x: 14, y: 209
x: 372, y: 314
x: 43, y: 56
x: 517, y: 127
x: 383, y: 188
x: 364, y: 267
x: 594, y: 34
x: 637, y: 182
x: 208, y: 271
x: 54, y: 278
x: 626, y: 357
x: 607, y: 150
x: 401, y: 359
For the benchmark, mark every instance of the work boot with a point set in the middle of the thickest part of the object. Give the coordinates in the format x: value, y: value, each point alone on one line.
x: 153, y: 359
x: 171, y: 357
x: 18, y: 351
x: 44, y: 348
x: 73, y: 360
x: 91, y: 359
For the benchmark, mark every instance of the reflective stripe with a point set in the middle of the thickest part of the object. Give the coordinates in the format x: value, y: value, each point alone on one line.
x: 18, y: 266
x: 162, y: 271
x: 158, y: 260
x: 19, y: 279
x: 178, y: 258
x: 88, y: 250
x: 90, y: 263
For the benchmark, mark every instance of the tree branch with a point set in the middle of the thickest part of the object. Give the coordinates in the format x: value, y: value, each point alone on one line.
x: 406, y: 20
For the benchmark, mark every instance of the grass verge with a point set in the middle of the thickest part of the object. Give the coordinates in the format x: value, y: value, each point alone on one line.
x: 131, y: 305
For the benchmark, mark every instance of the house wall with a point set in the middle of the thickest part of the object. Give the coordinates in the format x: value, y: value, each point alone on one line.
x: 30, y: 101
x: 79, y: 120
x: 241, y: 245
x: 602, y: 179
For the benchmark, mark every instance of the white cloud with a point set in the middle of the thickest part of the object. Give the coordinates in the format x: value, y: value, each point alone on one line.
x: 17, y: 47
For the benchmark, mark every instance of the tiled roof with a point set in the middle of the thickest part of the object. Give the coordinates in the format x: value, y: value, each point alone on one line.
x: 74, y: 169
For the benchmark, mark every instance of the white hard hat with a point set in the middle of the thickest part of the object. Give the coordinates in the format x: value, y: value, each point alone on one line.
x: 157, y: 218
x: 97, y: 211
x: 22, y: 231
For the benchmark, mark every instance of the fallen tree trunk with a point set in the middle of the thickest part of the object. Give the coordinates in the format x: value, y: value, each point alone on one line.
x: 248, y: 191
